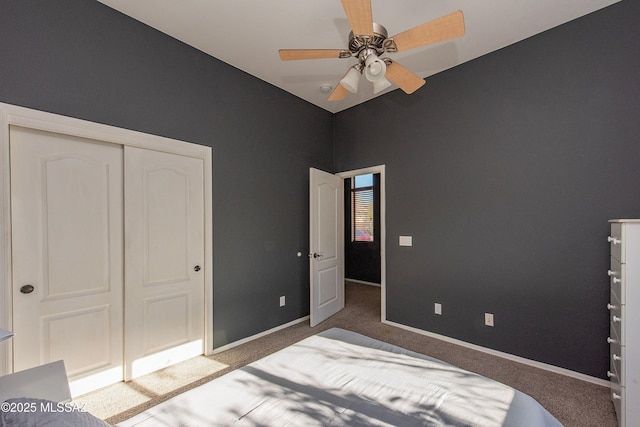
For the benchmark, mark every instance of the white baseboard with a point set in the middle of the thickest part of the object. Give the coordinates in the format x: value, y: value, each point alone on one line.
x: 529, y: 362
x: 524, y: 361
x: 261, y: 334
x: 362, y: 282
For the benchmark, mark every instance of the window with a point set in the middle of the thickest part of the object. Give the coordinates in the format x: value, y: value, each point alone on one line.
x: 362, y: 208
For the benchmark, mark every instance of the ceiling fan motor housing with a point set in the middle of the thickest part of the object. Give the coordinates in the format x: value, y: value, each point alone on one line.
x: 362, y: 46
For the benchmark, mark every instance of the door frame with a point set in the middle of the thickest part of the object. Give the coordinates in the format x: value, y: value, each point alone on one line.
x: 39, y: 120
x: 383, y: 229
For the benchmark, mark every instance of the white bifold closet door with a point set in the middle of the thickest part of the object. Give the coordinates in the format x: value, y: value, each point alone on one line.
x: 108, y: 246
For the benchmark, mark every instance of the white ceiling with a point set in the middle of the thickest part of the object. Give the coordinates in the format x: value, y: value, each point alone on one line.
x: 248, y: 33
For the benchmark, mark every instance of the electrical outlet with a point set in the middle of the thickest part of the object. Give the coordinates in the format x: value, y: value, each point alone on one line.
x: 488, y: 319
x: 437, y: 308
x: 282, y: 302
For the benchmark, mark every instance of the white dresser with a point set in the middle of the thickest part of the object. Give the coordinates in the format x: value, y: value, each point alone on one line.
x: 624, y: 308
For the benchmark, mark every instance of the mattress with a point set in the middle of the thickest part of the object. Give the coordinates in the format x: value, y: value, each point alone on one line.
x: 341, y: 378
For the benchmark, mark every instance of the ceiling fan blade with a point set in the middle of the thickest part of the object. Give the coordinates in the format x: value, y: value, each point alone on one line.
x: 295, y: 54
x: 359, y: 15
x: 407, y: 80
x: 445, y: 28
x: 339, y: 93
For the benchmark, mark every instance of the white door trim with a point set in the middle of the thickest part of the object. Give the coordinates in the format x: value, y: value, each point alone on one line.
x: 383, y: 230
x: 34, y: 119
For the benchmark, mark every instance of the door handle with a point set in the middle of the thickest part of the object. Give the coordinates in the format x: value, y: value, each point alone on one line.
x: 315, y: 255
x: 196, y: 268
x: 26, y: 289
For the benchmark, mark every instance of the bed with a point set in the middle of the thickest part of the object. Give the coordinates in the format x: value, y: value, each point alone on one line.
x: 341, y: 378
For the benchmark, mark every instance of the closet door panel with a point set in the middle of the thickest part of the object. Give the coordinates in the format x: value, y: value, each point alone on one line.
x: 164, y: 239
x: 67, y: 225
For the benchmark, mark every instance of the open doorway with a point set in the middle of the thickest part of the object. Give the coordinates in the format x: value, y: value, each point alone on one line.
x: 362, y: 229
x: 365, y: 234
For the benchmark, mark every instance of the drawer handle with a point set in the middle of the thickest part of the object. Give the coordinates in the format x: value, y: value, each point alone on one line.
x: 613, y: 240
x: 616, y: 280
x: 617, y: 396
x: 617, y: 319
x: 616, y: 357
x: 610, y: 340
x: 611, y: 374
x: 612, y: 307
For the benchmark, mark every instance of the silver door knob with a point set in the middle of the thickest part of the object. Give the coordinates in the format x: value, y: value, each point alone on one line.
x: 27, y: 289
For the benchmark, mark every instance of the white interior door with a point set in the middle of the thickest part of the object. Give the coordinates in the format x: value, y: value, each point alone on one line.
x: 66, y: 211
x: 326, y: 216
x: 164, y: 277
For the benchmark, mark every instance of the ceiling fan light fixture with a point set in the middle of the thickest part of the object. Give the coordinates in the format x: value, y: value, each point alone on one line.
x: 369, y: 40
x: 351, y: 79
x: 380, y: 85
x: 374, y: 68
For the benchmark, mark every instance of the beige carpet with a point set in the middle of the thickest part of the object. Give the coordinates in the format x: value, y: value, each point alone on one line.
x: 573, y: 402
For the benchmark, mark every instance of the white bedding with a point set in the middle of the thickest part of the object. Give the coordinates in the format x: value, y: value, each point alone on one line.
x: 346, y: 379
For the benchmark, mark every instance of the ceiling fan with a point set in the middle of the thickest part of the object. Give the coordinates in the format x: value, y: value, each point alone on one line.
x: 368, y: 40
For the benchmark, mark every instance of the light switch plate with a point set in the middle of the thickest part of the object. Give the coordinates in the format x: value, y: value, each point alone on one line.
x: 406, y: 241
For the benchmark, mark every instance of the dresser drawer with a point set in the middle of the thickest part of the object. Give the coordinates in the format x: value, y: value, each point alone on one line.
x: 617, y: 394
x: 617, y: 320
x: 616, y: 242
x: 617, y: 279
x: 614, y: 375
x: 617, y: 363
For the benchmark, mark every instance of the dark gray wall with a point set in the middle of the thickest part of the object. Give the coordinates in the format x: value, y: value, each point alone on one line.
x: 82, y: 59
x: 505, y: 171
